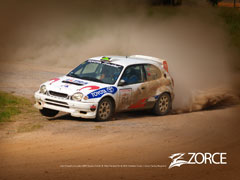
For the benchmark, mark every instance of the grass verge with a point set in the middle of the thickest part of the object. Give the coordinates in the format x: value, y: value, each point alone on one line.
x: 11, y: 105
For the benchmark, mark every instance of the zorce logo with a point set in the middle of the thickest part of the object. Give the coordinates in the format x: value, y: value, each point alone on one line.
x: 177, y: 160
x: 198, y: 158
x: 100, y: 92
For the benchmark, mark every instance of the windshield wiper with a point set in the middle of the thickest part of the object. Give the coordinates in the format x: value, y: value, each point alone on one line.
x: 91, y: 79
x: 73, y: 75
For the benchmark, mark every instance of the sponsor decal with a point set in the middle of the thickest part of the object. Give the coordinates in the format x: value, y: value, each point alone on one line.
x: 100, y: 92
x: 197, y: 158
x: 89, y: 88
x: 53, y: 80
x: 104, y: 62
x: 93, y: 108
x: 65, y: 85
x: 76, y: 81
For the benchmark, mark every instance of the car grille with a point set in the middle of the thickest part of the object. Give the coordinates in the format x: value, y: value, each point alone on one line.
x: 57, y: 105
x: 60, y: 102
x: 58, y: 94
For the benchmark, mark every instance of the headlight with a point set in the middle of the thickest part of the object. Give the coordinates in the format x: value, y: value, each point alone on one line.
x: 43, y: 89
x: 77, y: 96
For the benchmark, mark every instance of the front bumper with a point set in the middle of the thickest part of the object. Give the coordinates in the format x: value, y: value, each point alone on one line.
x: 75, y: 108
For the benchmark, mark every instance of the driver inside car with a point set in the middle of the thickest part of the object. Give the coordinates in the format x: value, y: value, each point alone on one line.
x: 106, y: 75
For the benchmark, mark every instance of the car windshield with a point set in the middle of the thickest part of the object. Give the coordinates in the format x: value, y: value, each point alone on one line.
x: 97, y: 71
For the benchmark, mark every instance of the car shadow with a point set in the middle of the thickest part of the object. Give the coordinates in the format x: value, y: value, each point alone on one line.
x: 71, y: 118
x: 133, y: 114
x: 116, y: 117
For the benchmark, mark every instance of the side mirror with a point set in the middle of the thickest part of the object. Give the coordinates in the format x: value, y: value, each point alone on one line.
x: 122, y: 82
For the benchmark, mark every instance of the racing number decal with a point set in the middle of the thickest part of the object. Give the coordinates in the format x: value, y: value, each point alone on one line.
x: 125, y: 96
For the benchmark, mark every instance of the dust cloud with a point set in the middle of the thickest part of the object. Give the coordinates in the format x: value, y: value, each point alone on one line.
x: 216, y: 98
x: 190, y: 37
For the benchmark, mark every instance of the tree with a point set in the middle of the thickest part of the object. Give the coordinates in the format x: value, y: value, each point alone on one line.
x: 214, y: 2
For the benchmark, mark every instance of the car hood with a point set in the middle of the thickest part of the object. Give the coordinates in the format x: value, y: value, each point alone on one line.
x: 70, y: 85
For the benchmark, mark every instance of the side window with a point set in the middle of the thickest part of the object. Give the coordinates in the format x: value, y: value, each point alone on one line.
x: 152, y: 72
x: 133, y: 75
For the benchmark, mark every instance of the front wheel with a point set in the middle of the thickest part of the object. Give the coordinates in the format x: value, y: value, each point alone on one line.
x: 105, y: 110
x: 48, y: 112
x: 163, y: 105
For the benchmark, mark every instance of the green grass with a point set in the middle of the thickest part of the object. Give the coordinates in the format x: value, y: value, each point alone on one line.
x: 11, y: 105
x: 231, y: 17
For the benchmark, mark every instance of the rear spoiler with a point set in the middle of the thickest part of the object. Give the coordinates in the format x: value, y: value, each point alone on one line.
x: 162, y: 62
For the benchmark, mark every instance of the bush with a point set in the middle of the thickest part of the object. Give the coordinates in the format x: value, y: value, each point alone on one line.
x: 231, y: 17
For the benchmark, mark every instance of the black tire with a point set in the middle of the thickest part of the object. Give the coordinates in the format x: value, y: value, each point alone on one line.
x: 105, y: 110
x: 163, y: 105
x: 48, y: 112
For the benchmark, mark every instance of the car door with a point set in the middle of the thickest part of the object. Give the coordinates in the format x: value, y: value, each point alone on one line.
x: 153, y: 75
x: 131, y: 88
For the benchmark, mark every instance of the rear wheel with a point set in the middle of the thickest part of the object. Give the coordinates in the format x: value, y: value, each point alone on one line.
x: 105, y: 110
x: 163, y: 105
x: 48, y: 112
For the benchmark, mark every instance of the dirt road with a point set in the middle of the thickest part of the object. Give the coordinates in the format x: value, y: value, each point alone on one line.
x: 129, y: 140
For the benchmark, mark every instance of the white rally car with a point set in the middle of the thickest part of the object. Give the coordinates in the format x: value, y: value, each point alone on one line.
x: 103, y: 85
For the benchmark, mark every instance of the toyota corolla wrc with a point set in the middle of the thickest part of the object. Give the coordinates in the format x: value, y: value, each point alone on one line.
x: 103, y: 85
